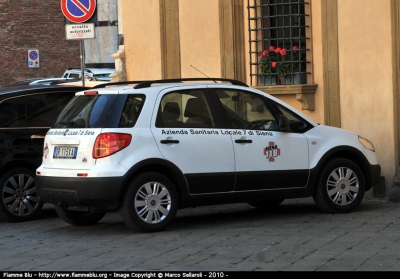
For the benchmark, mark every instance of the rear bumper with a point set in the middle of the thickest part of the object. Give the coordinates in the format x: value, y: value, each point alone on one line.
x: 80, y: 192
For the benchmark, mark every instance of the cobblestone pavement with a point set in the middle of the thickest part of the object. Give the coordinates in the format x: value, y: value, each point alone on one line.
x: 296, y: 236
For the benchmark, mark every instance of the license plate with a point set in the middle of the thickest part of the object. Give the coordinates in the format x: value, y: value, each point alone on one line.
x: 65, y: 152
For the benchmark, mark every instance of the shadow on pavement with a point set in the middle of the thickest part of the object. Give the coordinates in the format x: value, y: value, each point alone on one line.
x: 243, y: 214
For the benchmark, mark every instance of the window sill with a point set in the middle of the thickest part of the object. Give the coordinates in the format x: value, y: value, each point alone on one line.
x: 304, y: 93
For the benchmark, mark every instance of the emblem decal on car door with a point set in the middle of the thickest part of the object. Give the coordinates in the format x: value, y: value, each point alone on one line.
x: 272, y: 151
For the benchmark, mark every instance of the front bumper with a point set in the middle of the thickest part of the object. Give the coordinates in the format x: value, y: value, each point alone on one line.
x: 83, y: 193
x: 375, y: 171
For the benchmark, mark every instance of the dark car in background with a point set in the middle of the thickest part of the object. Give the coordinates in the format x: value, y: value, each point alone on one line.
x: 26, y: 114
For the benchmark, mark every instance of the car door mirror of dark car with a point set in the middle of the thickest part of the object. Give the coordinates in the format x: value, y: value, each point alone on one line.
x: 284, y: 123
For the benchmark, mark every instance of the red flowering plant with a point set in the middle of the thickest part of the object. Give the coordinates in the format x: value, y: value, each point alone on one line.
x: 273, y: 61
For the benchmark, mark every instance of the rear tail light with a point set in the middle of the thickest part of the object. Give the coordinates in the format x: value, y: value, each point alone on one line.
x: 109, y: 143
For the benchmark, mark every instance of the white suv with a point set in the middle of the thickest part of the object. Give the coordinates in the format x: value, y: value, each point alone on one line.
x: 157, y: 146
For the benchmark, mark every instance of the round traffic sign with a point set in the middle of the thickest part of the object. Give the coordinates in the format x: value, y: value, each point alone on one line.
x: 78, y: 11
x: 33, y: 55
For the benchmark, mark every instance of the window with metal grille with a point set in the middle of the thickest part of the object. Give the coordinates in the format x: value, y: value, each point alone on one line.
x: 278, y: 41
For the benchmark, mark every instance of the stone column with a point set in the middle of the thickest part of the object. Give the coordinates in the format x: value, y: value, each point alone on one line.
x: 119, y: 56
x: 394, y: 194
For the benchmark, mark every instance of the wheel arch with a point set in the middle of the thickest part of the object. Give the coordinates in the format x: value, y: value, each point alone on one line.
x: 164, y: 167
x: 17, y: 164
x: 346, y: 152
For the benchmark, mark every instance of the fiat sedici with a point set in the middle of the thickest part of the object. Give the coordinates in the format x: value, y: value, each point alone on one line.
x: 150, y: 148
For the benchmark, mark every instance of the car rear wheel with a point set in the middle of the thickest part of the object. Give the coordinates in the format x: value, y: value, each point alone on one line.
x: 341, y: 186
x: 79, y: 218
x: 150, y: 203
x: 19, y: 199
x: 266, y: 204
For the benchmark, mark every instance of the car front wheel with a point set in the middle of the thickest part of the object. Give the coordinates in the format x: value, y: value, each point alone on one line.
x: 19, y: 199
x: 341, y: 186
x: 150, y: 203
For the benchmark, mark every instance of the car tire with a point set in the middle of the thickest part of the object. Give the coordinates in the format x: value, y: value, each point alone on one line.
x: 19, y: 198
x: 79, y: 218
x: 269, y: 204
x: 341, y: 186
x: 150, y: 203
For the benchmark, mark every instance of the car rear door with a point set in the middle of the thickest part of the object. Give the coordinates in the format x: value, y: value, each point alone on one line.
x: 187, y: 134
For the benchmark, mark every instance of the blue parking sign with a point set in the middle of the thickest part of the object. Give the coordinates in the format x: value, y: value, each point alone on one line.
x: 33, y: 58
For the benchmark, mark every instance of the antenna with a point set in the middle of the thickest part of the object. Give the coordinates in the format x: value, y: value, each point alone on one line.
x: 200, y: 72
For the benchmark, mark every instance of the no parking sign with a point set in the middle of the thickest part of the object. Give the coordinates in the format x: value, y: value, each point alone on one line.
x: 33, y: 58
x: 78, y: 11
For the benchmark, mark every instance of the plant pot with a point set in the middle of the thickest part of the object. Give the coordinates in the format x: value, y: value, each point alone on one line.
x: 296, y: 78
x: 267, y: 80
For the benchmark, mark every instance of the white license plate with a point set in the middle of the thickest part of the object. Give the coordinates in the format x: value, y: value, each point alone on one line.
x: 65, y: 152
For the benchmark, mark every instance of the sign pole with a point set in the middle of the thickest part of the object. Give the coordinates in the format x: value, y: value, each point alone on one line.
x: 78, y: 11
x: 82, y: 63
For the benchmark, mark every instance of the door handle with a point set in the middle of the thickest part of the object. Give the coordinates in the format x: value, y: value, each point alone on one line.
x: 37, y: 137
x: 169, y: 141
x: 243, y: 141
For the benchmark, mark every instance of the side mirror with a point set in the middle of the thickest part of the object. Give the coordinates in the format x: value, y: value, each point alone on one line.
x: 284, y: 123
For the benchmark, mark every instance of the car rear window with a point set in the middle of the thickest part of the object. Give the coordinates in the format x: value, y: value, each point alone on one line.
x: 101, y: 111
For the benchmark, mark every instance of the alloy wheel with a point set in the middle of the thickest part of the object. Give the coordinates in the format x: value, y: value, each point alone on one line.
x: 20, y: 195
x: 342, y: 186
x: 152, y: 202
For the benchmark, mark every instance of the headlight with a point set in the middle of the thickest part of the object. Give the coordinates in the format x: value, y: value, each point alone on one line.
x: 366, y: 143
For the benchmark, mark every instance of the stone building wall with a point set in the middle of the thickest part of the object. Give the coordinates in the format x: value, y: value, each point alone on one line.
x: 37, y: 24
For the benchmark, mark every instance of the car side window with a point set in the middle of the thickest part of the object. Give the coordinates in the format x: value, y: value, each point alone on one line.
x: 13, y: 113
x: 43, y: 109
x: 131, y: 111
x: 296, y: 123
x: 74, y: 76
x: 184, y: 109
x: 247, y: 111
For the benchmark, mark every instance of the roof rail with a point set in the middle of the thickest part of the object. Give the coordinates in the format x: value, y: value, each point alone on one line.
x: 104, y: 85
x: 146, y: 84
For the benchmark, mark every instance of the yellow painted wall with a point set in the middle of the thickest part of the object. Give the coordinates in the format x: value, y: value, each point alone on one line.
x: 366, y: 91
x: 142, y: 39
x: 200, y: 38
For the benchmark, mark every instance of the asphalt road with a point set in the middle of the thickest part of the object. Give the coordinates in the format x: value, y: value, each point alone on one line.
x: 296, y: 236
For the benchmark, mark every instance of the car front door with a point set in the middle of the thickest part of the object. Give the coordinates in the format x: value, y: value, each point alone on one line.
x: 187, y: 135
x: 265, y: 158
